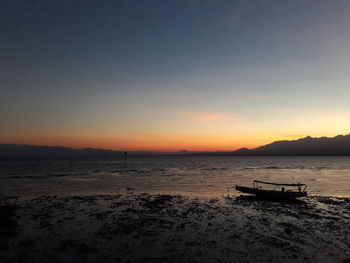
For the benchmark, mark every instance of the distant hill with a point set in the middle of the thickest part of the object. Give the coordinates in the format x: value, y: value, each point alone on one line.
x: 339, y: 145
x: 35, y: 151
x: 24, y: 151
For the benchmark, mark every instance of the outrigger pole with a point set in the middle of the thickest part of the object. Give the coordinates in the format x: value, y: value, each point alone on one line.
x: 256, y: 182
x: 262, y: 182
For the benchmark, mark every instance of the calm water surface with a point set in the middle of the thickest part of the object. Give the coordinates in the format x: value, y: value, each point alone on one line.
x: 209, y: 176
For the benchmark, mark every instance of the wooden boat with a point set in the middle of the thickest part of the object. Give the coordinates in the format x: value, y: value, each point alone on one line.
x: 281, y: 193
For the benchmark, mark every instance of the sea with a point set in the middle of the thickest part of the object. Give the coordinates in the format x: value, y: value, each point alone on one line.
x: 193, y: 176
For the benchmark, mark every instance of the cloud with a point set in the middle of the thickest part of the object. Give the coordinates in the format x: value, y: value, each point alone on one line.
x: 204, y: 117
x: 285, y: 110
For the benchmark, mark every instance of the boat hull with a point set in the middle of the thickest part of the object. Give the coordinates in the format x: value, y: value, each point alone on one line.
x: 270, y: 193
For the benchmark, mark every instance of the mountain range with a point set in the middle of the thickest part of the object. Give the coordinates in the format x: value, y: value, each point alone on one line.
x: 339, y: 145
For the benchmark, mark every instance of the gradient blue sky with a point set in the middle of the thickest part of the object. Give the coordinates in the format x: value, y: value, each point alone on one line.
x: 168, y: 75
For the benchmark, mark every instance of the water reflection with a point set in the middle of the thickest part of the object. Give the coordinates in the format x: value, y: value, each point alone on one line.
x: 208, y: 176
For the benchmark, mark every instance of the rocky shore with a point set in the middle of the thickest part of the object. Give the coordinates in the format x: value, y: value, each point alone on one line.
x: 172, y: 228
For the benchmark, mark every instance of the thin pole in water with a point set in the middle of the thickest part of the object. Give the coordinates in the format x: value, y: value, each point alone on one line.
x: 125, y: 157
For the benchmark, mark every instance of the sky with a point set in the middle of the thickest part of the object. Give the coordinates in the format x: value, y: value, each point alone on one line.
x: 171, y: 75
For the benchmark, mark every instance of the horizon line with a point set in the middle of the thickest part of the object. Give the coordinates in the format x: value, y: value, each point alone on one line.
x: 162, y: 151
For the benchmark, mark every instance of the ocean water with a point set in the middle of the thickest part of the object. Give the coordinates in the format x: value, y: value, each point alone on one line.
x: 202, y: 176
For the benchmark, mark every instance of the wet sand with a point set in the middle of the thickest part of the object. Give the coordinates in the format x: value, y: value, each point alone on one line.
x: 172, y: 228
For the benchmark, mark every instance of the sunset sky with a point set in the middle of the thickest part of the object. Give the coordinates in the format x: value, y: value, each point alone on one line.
x: 172, y: 75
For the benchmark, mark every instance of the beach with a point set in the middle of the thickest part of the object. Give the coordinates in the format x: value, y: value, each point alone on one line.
x: 134, y: 131
x: 144, y: 227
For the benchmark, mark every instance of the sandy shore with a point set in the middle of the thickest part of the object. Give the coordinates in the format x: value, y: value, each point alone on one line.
x: 170, y: 228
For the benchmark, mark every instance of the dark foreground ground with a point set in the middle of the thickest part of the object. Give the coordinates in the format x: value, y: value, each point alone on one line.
x: 165, y: 228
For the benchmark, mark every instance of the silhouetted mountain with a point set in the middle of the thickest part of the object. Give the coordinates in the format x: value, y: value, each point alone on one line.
x: 339, y: 145
x: 22, y: 151
x: 34, y: 151
x: 242, y: 151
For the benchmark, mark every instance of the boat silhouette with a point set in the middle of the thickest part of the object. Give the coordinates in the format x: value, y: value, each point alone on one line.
x: 287, y: 191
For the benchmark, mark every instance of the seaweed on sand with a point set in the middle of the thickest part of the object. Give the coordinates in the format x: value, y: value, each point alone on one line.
x: 8, y: 221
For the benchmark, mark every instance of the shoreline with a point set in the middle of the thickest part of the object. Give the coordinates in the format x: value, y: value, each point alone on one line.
x: 170, y: 228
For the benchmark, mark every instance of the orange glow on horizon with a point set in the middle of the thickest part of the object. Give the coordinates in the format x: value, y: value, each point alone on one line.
x: 163, y: 144
x: 151, y: 142
x: 133, y: 147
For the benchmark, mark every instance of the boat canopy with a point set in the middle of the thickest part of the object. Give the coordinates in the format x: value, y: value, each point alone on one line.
x: 262, y: 182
